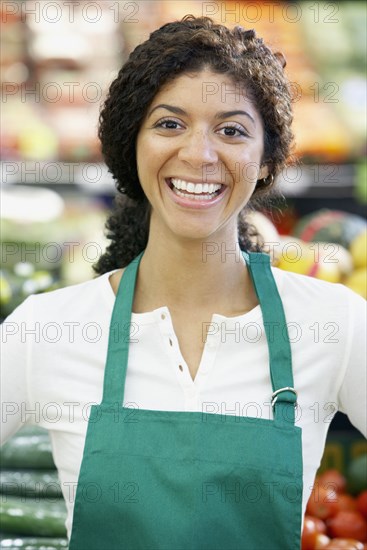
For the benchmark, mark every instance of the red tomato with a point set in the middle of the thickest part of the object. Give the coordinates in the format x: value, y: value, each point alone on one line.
x: 312, y: 528
x: 347, y: 503
x: 362, y: 503
x: 333, y: 479
x: 344, y: 544
x: 323, y: 503
x: 321, y: 541
x: 320, y: 526
x: 309, y: 533
x: 350, y: 525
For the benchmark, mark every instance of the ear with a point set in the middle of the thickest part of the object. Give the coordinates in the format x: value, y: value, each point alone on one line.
x: 264, y: 172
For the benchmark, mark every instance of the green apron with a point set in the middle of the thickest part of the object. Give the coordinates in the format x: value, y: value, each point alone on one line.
x: 172, y: 480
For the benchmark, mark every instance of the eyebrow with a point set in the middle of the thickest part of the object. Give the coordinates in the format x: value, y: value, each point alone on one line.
x: 221, y: 115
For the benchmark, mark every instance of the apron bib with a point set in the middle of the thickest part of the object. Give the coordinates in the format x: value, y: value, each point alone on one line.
x: 163, y: 480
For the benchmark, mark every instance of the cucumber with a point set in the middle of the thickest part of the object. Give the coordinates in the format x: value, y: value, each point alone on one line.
x: 40, y: 483
x: 33, y: 543
x: 357, y: 474
x: 28, y: 451
x: 28, y: 517
x: 30, y: 429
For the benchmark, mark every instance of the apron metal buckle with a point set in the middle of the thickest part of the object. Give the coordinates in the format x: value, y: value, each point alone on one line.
x: 275, y: 395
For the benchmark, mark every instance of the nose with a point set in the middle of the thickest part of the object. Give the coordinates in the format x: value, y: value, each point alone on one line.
x: 198, y: 150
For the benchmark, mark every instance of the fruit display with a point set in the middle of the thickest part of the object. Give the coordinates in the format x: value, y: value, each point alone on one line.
x: 32, y: 508
x: 333, y: 226
x: 336, y: 513
x: 321, y: 260
x: 327, y: 244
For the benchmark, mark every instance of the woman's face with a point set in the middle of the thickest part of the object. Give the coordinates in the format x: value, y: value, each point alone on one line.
x: 199, y: 151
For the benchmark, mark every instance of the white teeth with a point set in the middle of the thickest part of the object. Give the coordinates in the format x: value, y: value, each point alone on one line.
x: 196, y: 188
x: 206, y: 197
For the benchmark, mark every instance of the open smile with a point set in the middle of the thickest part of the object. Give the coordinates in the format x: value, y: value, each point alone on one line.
x: 195, y: 194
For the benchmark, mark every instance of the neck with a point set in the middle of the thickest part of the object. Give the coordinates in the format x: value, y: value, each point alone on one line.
x: 191, y: 274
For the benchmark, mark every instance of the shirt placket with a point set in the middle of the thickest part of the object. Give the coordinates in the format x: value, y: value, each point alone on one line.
x: 190, y: 388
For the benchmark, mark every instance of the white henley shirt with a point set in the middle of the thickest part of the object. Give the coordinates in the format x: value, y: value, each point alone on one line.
x: 54, y: 349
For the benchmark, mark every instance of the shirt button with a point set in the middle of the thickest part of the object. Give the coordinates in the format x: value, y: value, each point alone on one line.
x: 163, y: 316
x: 170, y: 342
x: 180, y: 367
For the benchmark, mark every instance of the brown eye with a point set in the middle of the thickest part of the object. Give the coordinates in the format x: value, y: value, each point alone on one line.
x: 231, y: 130
x: 167, y: 124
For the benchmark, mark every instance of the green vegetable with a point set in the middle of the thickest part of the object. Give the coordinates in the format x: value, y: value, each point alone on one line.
x: 357, y: 475
x: 30, y: 429
x: 40, y: 483
x: 28, y: 517
x: 28, y: 451
x: 33, y: 543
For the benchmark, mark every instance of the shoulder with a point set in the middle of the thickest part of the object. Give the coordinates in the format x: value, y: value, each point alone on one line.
x: 309, y: 288
x: 306, y: 296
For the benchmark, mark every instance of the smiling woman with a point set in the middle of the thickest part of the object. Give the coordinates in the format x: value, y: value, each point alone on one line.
x: 202, y: 434
x: 238, y: 73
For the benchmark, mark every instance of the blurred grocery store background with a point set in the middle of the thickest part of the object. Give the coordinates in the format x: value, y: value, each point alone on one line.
x: 57, y: 60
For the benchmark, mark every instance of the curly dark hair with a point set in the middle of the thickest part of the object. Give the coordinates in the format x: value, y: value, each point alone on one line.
x: 189, y: 45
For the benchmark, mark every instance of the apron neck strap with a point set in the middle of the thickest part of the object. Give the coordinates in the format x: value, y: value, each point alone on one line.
x: 275, y: 329
x: 119, y: 337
